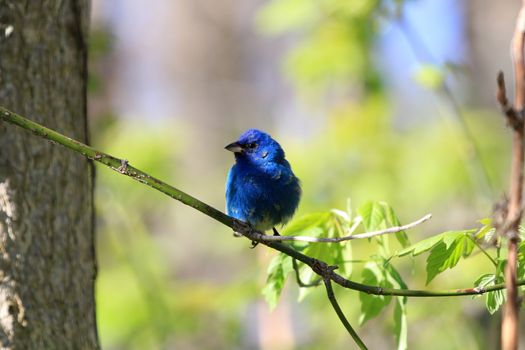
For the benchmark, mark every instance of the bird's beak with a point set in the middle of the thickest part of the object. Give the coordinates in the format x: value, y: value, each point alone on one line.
x: 234, y: 147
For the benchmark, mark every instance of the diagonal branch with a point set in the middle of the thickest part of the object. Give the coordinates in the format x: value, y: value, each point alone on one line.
x: 318, y: 266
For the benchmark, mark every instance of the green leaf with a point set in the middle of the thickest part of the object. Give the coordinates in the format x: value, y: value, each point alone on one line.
x: 446, y: 254
x: 493, y: 300
x: 307, y: 224
x: 429, y: 243
x: 307, y: 276
x: 341, y: 252
x: 430, y: 76
x: 442, y: 257
x: 346, y: 255
x: 484, y: 281
x: 341, y: 214
x: 401, y: 323
x: 331, y: 224
x: 306, y: 273
x: 521, y: 260
x: 374, y: 216
x: 382, y: 273
x: 392, y: 218
x: 486, y: 221
x: 278, y: 270
x: 379, y: 216
x: 400, y: 309
x: 400, y: 317
x: 371, y: 305
x: 468, y: 246
x: 487, y: 231
x: 393, y: 277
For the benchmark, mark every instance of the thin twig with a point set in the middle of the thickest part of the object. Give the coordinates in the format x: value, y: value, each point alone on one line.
x: 341, y: 315
x: 394, y: 229
x: 483, y: 250
x: 501, y: 97
x: 300, y: 283
x: 319, y: 267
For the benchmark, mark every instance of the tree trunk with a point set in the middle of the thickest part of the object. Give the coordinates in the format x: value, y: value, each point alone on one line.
x: 47, y: 255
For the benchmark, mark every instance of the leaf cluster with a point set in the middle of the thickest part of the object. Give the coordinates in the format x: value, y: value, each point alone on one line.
x: 444, y: 251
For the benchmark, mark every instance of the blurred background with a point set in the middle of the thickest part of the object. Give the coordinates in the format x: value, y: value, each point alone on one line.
x: 372, y: 100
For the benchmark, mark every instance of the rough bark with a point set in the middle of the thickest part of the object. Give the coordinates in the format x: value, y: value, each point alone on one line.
x: 47, y: 257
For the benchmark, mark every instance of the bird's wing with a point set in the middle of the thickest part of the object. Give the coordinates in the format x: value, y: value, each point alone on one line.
x: 230, y: 188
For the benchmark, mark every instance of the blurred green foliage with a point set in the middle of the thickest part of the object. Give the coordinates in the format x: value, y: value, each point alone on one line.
x: 335, y: 40
x: 140, y: 303
x: 165, y: 284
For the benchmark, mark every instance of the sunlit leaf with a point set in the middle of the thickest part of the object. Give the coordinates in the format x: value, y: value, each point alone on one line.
x: 427, y: 244
x: 521, y: 260
x: 393, y: 276
x: 401, y: 323
x: 342, y: 214
x: 306, y: 273
x: 493, y: 300
x: 485, y: 280
x: 374, y: 216
x: 278, y: 270
x: 441, y: 258
x: 392, y: 218
x: 400, y: 309
x: 307, y: 276
x: 307, y: 224
x: 380, y: 215
x: 371, y: 305
x: 347, y: 256
x: 487, y: 231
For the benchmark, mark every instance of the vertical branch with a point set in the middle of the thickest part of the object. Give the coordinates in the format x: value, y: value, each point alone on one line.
x: 510, y: 322
x: 341, y: 315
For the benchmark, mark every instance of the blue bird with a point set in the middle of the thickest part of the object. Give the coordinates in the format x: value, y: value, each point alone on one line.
x: 261, y: 188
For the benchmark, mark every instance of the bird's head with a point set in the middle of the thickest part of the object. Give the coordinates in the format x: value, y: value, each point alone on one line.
x: 257, y: 147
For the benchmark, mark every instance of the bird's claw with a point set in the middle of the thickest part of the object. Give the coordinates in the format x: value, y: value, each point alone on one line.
x: 240, y: 227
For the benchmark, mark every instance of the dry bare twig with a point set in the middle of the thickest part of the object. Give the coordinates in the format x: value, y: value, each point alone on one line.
x: 266, y: 238
x: 509, y: 229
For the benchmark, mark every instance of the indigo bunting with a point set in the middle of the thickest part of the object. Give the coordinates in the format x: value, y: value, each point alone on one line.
x: 261, y: 188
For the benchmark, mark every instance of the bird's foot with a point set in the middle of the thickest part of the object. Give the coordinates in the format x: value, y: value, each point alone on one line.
x: 239, y: 227
x: 275, y: 232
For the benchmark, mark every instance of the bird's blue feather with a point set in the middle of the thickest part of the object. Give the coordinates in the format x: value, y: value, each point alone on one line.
x: 261, y: 188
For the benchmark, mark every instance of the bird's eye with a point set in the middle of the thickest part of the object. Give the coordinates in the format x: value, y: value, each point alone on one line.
x: 251, y: 145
